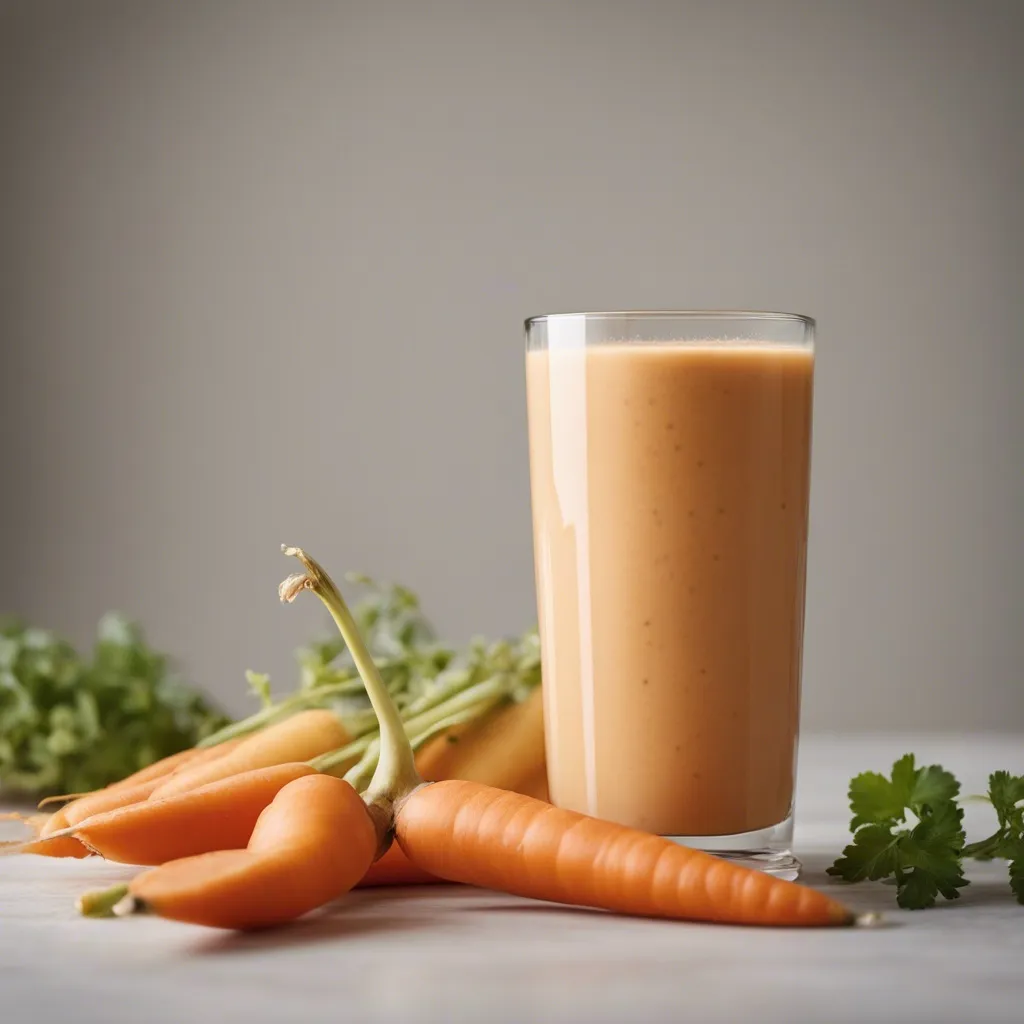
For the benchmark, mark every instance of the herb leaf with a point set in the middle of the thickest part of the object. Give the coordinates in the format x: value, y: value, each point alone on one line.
x: 926, y: 858
x: 876, y: 799
x: 1006, y: 791
x: 1016, y: 855
x: 933, y: 850
x: 871, y: 856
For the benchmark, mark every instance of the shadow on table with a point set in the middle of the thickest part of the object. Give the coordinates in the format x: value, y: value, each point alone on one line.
x: 333, y: 924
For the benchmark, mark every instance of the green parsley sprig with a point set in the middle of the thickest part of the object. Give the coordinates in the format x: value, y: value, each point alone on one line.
x: 1006, y: 794
x: 908, y: 827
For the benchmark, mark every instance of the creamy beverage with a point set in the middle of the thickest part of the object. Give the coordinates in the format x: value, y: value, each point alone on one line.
x: 670, y: 490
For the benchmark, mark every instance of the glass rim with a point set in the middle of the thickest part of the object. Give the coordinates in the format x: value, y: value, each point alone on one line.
x: 673, y: 314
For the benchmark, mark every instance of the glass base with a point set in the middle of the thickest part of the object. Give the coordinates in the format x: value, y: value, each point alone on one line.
x: 767, y: 849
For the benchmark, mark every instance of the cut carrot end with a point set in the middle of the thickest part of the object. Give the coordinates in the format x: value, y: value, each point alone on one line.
x: 101, y: 902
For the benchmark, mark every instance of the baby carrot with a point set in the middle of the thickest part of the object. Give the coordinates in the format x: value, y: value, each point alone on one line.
x: 311, y: 844
x: 301, y: 737
x: 468, y: 832
x: 140, y: 785
x: 108, y: 800
x: 218, y: 816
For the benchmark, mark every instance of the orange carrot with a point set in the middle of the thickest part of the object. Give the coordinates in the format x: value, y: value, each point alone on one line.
x: 303, y: 736
x: 62, y: 846
x: 311, y: 844
x: 466, y: 832
x: 504, y: 749
x: 218, y: 816
x: 395, y: 868
x: 140, y: 785
x: 108, y: 800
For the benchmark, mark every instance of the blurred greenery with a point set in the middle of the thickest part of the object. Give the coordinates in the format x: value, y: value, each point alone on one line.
x: 71, y: 722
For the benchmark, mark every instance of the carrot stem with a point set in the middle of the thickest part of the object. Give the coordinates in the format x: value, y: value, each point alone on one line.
x: 357, y: 774
x: 395, y: 775
x: 476, y: 699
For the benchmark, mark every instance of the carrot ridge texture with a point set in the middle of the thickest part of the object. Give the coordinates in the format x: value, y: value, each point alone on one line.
x: 465, y: 832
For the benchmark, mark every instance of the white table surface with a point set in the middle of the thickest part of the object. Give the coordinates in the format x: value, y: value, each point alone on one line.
x: 452, y: 954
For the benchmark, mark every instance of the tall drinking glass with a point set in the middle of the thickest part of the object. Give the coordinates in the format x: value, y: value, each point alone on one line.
x: 670, y: 475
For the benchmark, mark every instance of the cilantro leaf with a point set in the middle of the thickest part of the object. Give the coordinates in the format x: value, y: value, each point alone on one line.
x: 876, y: 799
x: 926, y: 859
x: 932, y: 851
x: 932, y: 788
x: 1006, y: 791
x: 916, y: 890
x: 1017, y: 870
x: 872, y: 855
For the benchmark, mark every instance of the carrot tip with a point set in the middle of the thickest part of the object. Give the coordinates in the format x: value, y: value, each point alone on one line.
x: 870, y: 919
x: 61, y: 798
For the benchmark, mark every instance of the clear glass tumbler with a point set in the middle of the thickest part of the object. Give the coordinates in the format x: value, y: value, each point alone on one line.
x: 670, y: 475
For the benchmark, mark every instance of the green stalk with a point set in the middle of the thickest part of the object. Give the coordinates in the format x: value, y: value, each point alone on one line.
x: 395, y: 775
x: 476, y: 699
x: 357, y: 774
x: 357, y: 723
x: 984, y: 849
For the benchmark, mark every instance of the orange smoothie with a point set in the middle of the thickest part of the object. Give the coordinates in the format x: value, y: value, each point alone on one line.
x: 670, y: 488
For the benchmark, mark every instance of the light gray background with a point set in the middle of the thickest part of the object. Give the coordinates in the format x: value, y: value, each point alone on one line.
x: 265, y: 267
